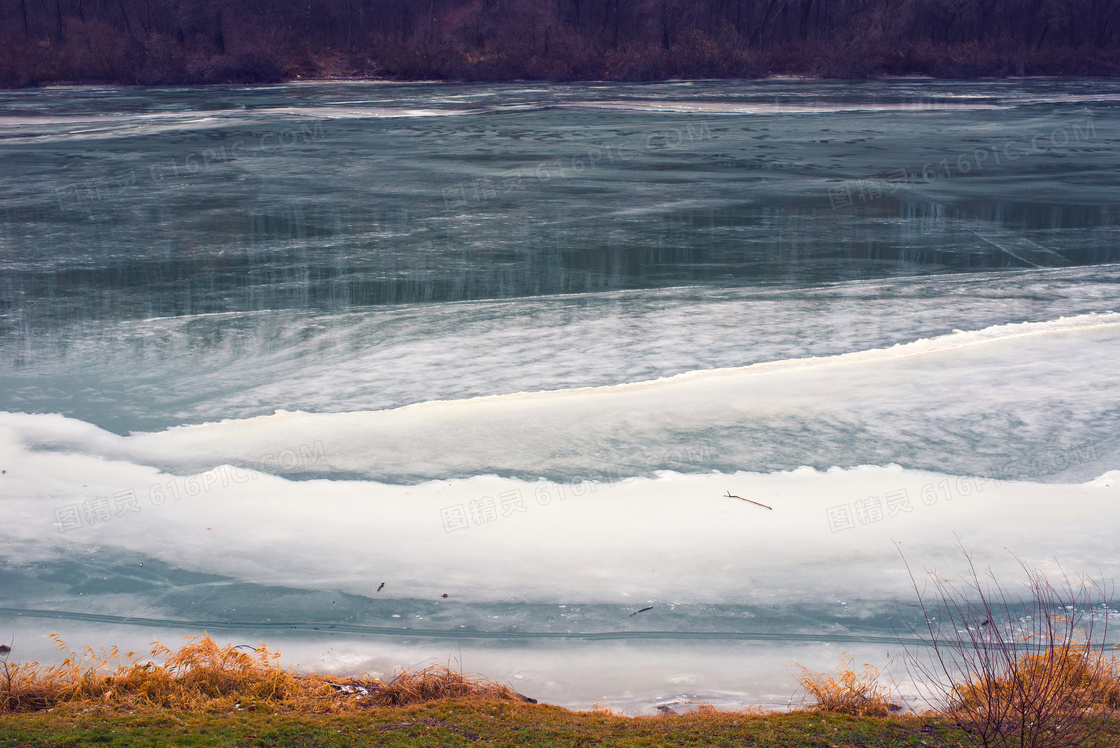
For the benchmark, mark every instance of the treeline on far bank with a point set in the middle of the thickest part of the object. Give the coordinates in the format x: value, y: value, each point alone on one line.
x: 256, y: 41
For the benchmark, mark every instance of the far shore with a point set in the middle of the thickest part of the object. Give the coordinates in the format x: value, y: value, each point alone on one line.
x: 528, y: 81
x: 365, y: 79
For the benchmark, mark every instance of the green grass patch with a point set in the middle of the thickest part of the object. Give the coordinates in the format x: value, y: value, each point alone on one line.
x: 459, y: 722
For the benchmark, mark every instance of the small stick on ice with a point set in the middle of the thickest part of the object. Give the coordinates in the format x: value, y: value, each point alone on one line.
x: 733, y: 496
x: 643, y: 610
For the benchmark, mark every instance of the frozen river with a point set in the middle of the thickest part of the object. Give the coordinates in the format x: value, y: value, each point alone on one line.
x: 265, y: 349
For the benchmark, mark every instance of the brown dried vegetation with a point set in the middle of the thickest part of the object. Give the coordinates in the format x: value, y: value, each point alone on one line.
x: 203, y: 676
x: 1028, y: 668
x: 858, y: 693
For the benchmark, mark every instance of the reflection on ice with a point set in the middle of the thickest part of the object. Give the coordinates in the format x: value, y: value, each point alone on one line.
x: 515, y: 344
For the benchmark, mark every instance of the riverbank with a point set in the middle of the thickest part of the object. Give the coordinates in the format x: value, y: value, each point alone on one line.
x: 239, y: 696
x: 206, y: 694
x: 709, y: 59
x: 469, y: 722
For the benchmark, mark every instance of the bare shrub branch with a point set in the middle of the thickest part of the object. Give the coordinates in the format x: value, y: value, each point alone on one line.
x: 1025, y: 667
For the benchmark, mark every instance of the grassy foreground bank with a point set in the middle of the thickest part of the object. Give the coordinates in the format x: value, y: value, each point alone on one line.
x: 212, y: 695
x: 207, y: 694
x: 455, y: 722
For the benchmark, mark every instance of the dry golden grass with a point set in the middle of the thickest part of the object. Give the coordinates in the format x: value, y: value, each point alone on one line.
x: 853, y: 692
x: 1077, y: 675
x: 203, y: 676
x: 1057, y: 698
x: 1024, y: 667
x: 435, y: 683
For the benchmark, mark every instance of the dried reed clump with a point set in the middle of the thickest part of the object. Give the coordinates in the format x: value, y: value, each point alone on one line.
x: 1073, y: 674
x: 438, y: 682
x: 858, y: 693
x: 203, y: 676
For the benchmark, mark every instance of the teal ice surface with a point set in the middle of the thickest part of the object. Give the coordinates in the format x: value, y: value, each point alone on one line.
x: 181, y: 256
